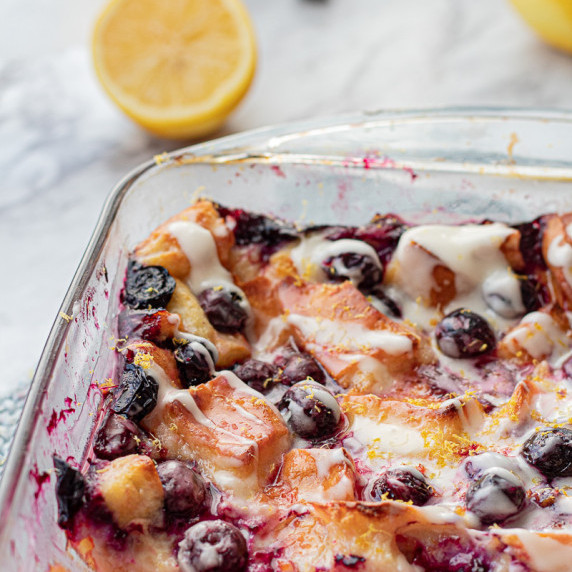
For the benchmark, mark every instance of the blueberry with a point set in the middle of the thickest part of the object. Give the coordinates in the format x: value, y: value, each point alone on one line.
x: 510, y: 296
x: 223, y: 309
x: 550, y: 452
x: 529, y: 290
x: 362, y: 270
x: 196, y: 360
x: 476, y: 465
x: 464, y: 334
x: 310, y: 410
x: 382, y: 234
x: 444, y: 552
x: 70, y: 488
x: 567, y: 368
x: 530, y: 245
x: 185, y: 490
x: 147, y: 286
x: 299, y: 367
x: 117, y: 437
x: 382, y: 302
x: 258, y: 374
x: 213, y: 546
x: 349, y: 560
x: 249, y: 228
x: 495, y: 496
x: 136, y: 395
x: 404, y: 484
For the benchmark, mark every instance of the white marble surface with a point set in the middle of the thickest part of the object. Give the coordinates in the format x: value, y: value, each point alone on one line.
x: 63, y: 145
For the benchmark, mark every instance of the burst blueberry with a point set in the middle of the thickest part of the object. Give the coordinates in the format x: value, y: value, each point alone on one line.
x: 266, y: 232
x: 147, y: 286
x: 529, y: 290
x: 464, y: 334
x: 381, y: 301
x: 195, y: 361
x: 382, y: 234
x: 258, y: 374
x: 213, y: 546
x: 349, y: 560
x: 404, y: 484
x: 310, y: 410
x: 495, y: 496
x: 70, y: 488
x: 224, y: 309
x: 530, y: 245
x: 136, y: 395
x: 550, y: 452
x: 509, y: 295
x: 185, y: 490
x: 299, y: 367
x: 117, y: 437
x: 362, y: 270
x: 444, y: 552
x: 142, y: 325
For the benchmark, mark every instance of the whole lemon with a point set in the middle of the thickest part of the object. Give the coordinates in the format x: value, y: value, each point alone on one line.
x: 552, y: 20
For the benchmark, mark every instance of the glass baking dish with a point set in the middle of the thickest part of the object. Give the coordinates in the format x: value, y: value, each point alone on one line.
x: 445, y: 165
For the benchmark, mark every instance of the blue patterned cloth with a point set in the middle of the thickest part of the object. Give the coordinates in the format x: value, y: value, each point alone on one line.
x: 10, y: 412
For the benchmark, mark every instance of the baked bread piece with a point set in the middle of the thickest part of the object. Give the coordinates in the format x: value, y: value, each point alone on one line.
x: 386, y: 397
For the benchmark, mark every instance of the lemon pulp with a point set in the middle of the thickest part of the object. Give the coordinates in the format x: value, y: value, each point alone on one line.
x: 179, y: 67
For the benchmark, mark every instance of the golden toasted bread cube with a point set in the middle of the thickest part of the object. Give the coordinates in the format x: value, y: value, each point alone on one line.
x: 557, y: 253
x: 161, y: 248
x: 131, y: 489
x: 538, y: 336
x: 144, y: 550
x: 315, y: 475
x: 329, y: 318
x: 236, y: 437
x: 193, y: 319
x: 312, y: 538
x: 232, y: 348
x: 442, y: 432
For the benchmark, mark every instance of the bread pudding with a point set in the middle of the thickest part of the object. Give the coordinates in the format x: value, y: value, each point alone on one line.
x: 390, y: 397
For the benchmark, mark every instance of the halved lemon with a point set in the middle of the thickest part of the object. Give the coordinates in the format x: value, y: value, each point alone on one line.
x: 177, y: 67
x: 552, y: 20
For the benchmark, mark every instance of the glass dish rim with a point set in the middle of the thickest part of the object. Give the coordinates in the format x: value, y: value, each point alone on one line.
x: 249, y: 146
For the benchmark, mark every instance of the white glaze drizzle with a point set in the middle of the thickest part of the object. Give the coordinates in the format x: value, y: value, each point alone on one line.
x: 469, y: 411
x: 385, y: 439
x: 491, y: 500
x: 209, y: 559
x: 546, y: 554
x: 540, y: 336
x: 313, y: 250
x: 169, y: 394
x: 368, y: 368
x: 349, y: 336
x: 321, y: 395
x: 309, y: 255
x: 502, y: 293
x: 560, y: 255
x: 472, y: 252
x: 326, y: 460
x: 203, y: 347
x: 198, y: 245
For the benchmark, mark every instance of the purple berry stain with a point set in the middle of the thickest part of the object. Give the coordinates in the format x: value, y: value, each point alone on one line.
x: 59, y: 416
x: 41, y: 478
